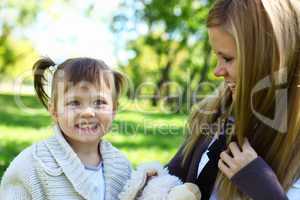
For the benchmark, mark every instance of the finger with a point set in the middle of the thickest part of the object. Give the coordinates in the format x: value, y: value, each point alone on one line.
x: 224, y: 168
x: 246, y: 145
x: 227, y: 159
x: 248, y: 150
x: 151, y: 173
x: 234, y: 148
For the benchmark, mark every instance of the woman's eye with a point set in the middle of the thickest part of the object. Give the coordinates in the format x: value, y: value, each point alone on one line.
x: 227, y: 59
x: 100, y: 102
x: 73, y: 103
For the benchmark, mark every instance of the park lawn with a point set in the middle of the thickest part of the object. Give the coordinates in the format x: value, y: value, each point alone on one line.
x: 142, y: 132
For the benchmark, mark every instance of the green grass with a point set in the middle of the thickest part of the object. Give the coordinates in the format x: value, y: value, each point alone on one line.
x: 142, y: 132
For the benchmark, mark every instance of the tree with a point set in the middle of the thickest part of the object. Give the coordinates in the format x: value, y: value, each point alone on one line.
x: 175, y: 35
x: 16, y: 15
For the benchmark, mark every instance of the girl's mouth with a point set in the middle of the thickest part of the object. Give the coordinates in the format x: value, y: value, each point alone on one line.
x: 87, y: 128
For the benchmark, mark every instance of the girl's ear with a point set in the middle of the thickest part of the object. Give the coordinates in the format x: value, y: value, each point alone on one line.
x: 52, y: 111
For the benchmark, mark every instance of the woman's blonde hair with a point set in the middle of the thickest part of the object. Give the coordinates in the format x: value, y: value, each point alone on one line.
x: 267, y: 37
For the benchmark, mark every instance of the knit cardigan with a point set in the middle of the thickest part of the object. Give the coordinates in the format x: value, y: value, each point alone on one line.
x: 51, y: 170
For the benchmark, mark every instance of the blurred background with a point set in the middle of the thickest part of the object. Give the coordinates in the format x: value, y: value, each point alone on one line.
x: 161, y: 45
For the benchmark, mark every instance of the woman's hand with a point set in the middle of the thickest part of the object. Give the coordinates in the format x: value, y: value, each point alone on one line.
x: 151, y: 173
x: 230, y: 165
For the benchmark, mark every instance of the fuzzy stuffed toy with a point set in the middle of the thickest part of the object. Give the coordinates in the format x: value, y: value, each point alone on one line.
x: 153, y: 182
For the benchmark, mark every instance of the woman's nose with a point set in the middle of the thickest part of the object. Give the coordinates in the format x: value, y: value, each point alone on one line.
x: 220, y: 71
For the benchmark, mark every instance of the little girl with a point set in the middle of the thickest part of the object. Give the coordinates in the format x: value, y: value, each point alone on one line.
x: 75, y: 163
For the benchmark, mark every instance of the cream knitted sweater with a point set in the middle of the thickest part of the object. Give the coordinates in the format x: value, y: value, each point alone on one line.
x: 51, y: 170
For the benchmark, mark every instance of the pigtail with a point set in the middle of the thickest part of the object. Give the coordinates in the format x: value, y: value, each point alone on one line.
x: 39, y: 69
x: 119, y: 81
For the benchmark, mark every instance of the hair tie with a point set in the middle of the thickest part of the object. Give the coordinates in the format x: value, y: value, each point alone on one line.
x: 53, y: 68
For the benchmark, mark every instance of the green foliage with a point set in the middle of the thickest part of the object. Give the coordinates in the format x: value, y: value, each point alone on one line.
x: 17, y: 58
x: 15, y: 14
x: 17, y: 53
x: 174, y: 48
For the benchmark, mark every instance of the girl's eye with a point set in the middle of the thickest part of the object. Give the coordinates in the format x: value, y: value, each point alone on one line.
x: 100, y: 102
x: 73, y: 103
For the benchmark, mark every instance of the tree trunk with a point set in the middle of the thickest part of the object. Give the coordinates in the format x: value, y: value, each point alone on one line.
x: 165, y: 77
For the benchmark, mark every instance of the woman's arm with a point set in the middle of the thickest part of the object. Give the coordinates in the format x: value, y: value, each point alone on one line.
x: 250, y: 173
x: 259, y: 182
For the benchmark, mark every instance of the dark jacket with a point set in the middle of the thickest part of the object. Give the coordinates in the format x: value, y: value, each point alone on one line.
x: 257, y: 179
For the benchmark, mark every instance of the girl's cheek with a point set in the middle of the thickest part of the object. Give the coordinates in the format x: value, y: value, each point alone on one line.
x: 72, y: 110
x: 69, y: 115
x: 106, y: 109
x: 106, y: 115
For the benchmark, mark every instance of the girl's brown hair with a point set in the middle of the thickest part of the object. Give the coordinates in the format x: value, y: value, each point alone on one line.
x: 267, y: 36
x: 71, y: 72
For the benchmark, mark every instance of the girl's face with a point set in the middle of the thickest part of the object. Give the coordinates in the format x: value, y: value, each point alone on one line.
x: 224, y: 46
x: 85, y: 112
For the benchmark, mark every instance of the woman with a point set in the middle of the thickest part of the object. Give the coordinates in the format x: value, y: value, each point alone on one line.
x: 257, y: 43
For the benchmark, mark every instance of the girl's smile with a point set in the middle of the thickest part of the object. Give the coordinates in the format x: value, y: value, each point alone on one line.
x: 85, y: 112
x: 224, y: 46
x: 87, y: 128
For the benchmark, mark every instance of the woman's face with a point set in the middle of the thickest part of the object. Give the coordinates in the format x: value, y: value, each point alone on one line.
x: 224, y: 46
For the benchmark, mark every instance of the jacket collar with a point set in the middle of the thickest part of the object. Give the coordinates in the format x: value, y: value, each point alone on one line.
x: 74, y: 169
x: 198, y: 151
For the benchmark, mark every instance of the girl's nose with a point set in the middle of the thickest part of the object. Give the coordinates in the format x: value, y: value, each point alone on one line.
x: 87, y: 112
x: 220, y: 71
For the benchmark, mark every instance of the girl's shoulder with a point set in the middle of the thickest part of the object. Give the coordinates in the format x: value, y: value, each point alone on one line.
x: 27, y: 158
x: 24, y: 157
x: 21, y: 167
